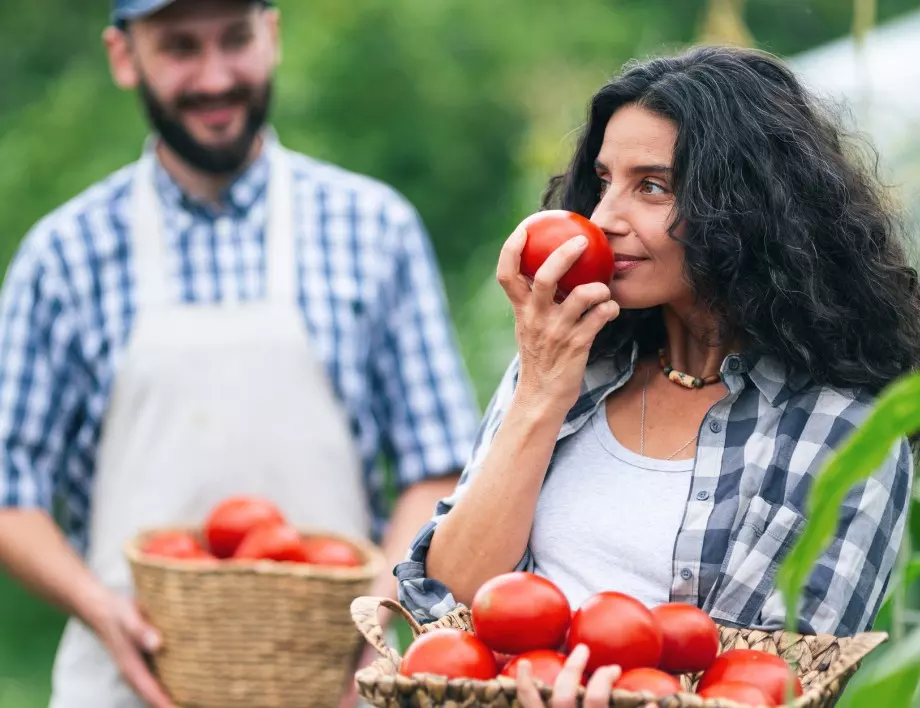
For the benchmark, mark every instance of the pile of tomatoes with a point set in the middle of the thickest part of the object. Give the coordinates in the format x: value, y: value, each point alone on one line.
x: 521, y: 615
x: 248, y: 528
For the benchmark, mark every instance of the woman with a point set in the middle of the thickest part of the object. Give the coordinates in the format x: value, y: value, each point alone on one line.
x: 757, y: 262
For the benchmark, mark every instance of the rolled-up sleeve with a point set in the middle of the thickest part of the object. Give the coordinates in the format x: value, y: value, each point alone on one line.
x: 845, y: 591
x: 428, y: 599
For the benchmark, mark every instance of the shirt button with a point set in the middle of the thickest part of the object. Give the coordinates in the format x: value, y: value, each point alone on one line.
x: 734, y: 364
x: 715, y: 426
x: 686, y: 574
x: 702, y: 496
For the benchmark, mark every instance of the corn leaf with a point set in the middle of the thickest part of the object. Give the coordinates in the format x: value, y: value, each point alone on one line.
x: 891, y: 681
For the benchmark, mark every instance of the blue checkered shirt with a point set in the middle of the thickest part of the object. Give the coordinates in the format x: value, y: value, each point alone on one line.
x: 369, y: 290
x: 758, y: 451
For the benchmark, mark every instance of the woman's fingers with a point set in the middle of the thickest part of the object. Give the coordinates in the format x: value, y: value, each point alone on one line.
x: 508, y: 273
x: 565, y: 689
x: 597, y: 692
x: 527, y: 693
x: 583, y: 298
x: 593, y: 322
x: 554, y: 267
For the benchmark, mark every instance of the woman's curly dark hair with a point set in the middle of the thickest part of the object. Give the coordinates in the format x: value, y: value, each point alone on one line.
x: 789, y: 239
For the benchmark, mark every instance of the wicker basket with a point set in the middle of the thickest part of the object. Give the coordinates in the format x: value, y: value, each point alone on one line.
x: 253, y: 635
x: 824, y: 664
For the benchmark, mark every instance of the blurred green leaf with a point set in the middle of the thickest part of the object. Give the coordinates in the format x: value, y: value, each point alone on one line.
x: 900, y: 584
x: 891, y: 681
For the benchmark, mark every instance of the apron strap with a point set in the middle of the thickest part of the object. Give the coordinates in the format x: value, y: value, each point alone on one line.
x: 280, y: 261
x: 148, y: 239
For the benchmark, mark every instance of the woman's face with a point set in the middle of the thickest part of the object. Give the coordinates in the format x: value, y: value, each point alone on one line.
x: 636, y: 207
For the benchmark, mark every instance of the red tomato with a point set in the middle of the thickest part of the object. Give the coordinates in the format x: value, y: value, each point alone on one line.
x: 331, y: 551
x: 272, y: 542
x: 517, y: 612
x: 174, y: 544
x: 547, y: 230
x: 617, y: 629
x: 768, y: 672
x: 501, y: 660
x: 691, y: 638
x: 545, y: 664
x: 744, y: 693
x: 449, y: 652
x: 656, y: 682
x: 233, y: 518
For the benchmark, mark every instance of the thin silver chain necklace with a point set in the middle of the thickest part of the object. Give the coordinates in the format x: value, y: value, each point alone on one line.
x: 642, y: 429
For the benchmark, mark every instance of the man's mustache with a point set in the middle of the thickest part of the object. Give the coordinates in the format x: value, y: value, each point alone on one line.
x: 235, y: 96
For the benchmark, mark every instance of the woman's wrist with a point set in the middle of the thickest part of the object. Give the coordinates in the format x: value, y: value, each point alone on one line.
x: 535, y: 410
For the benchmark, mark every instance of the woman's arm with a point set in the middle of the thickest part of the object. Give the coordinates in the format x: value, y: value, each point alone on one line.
x: 482, y: 529
x: 499, y: 504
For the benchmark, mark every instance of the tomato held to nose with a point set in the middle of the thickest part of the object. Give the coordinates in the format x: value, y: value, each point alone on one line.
x: 548, y: 230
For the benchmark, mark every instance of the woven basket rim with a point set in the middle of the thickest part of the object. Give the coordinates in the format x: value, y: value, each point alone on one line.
x: 375, y: 672
x: 373, y: 555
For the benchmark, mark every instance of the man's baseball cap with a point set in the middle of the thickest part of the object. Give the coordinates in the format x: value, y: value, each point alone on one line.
x: 124, y: 11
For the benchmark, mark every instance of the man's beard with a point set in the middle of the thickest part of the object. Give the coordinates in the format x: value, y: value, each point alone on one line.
x: 222, y: 160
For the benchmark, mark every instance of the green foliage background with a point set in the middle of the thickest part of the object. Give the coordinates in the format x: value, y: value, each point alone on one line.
x: 466, y: 106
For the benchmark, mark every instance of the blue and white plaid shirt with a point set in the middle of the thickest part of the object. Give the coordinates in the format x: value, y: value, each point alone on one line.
x: 371, y: 296
x: 758, y: 451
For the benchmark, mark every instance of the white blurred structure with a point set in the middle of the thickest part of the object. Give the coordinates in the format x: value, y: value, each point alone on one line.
x: 880, y: 83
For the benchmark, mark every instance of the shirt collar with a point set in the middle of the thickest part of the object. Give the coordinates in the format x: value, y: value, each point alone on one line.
x: 775, y: 381
x: 239, y: 196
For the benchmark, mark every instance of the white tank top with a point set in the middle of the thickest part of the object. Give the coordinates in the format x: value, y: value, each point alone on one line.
x: 607, y: 518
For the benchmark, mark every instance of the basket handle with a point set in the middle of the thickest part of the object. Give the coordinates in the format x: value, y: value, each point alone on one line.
x: 365, y: 613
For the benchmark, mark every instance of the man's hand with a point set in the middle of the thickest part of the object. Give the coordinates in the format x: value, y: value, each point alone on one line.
x: 34, y: 552
x: 127, y: 636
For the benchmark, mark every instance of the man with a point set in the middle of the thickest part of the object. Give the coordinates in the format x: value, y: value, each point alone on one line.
x: 221, y: 317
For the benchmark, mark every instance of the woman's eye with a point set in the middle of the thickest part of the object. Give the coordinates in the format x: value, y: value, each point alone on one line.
x: 603, y: 188
x: 648, y: 187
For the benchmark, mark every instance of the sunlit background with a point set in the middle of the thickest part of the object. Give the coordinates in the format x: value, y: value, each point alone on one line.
x: 466, y: 106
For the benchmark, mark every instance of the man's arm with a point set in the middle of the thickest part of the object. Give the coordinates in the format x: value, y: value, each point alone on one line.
x: 42, y: 390
x: 34, y: 551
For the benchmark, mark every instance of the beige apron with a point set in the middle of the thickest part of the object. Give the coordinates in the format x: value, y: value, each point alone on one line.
x: 210, y: 400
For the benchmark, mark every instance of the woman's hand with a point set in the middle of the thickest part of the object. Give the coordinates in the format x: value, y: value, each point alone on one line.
x: 553, y: 339
x: 597, y: 692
